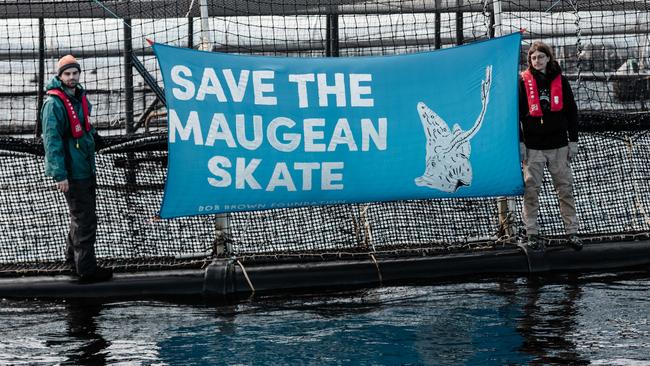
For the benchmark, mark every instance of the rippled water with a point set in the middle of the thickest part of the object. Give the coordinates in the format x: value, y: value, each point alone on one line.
x: 599, y: 319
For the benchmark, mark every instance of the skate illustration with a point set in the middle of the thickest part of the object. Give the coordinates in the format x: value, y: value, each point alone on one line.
x: 447, y: 151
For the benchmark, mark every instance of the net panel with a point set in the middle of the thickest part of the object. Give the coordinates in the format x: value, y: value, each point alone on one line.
x: 602, y: 47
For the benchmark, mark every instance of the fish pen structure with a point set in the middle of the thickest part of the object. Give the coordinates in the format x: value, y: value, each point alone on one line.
x: 602, y: 46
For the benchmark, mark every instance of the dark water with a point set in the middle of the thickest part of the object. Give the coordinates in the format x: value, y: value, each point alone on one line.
x: 599, y: 319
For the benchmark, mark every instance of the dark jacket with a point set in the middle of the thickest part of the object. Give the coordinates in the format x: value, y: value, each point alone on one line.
x: 558, y: 128
x: 66, y: 157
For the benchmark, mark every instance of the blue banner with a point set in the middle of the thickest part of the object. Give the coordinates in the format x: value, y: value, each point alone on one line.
x: 253, y: 132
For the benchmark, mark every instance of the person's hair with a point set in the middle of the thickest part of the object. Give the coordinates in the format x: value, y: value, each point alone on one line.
x: 552, y: 65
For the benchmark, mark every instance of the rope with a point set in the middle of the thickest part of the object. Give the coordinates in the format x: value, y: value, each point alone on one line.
x: 507, y: 221
x: 151, y: 82
x: 553, y: 5
x: 190, y: 9
x: 111, y: 13
x: 366, y: 226
x: 381, y: 280
x: 250, y: 284
x: 574, y: 5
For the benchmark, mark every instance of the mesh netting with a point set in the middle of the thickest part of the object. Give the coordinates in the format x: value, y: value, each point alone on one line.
x: 601, y: 45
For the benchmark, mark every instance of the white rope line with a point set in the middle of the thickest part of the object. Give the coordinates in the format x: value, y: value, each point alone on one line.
x: 381, y: 279
x: 366, y: 226
x: 190, y: 9
x: 553, y: 5
x: 121, y: 19
x: 250, y: 284
x: 111, y: 12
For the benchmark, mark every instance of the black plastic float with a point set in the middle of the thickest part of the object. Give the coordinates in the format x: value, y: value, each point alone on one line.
x: 225, y: 277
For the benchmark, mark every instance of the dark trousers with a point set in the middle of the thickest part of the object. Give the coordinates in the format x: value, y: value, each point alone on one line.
x: 80, y: 245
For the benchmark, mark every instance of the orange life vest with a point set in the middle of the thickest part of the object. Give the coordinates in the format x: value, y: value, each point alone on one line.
x: 75, y: 123
x: 532, y: 94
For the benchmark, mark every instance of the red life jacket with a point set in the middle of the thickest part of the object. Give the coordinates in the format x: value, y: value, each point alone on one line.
x: 532, y: 94
x: 75, y: 123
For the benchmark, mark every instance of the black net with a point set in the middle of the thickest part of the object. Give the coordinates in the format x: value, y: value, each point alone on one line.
x: 601, y: 45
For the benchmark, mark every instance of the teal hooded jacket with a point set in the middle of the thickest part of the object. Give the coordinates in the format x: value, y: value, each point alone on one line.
x: 65, y: 156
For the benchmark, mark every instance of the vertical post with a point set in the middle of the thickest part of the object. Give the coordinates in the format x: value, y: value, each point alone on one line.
x: 644, y: 52
x: 222, y: 242
x: 332, y: 35
x: 491, y: 33
x: 131, y: 163
x: 128, y: 76
x: 144, y: 100
x: 460, y: 39
x: 190, y: 32
x: 496, y: 5
x: 437, y: 24
x: 205, y: 44
x: 505, y: 205
x: 41, y: 76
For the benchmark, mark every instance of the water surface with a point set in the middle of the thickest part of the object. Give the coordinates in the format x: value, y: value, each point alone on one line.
x: 599, y: 319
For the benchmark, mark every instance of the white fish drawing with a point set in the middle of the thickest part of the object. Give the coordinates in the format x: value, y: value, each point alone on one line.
x: 447, y: 151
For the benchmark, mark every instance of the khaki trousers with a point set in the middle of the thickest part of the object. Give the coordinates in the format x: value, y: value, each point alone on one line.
x: 558, y: 165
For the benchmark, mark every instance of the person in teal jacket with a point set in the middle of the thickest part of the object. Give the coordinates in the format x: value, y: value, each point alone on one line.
x: 70, y: 143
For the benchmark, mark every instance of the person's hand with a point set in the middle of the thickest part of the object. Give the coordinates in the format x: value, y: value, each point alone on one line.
x: 62, y: 186
x: 522, y: 152
x: 573, y: 150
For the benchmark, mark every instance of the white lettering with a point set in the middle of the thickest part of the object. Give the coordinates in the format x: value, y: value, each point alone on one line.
x: 188, y: 92
x: 342, y: 135
x: 237, y: 89
x: 244, y: 173
x: 192, y: 127
x: 281, y: 178
x: 210, y: 85
x: 214, y: 166
x: 330, y: 179
x: 219, y: 130
x: 306, y: 173
x: 338, y: 89
x: 301, y: 81
x: 293, y: 138
x: 356, y: 91
x: 368, y: 132
x: 259, y: 88
x: 257, y: 132
x: 311, y: 135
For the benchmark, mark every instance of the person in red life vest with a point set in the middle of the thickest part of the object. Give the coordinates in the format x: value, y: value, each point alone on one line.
x: 70, y: 142
x: 549, y: 138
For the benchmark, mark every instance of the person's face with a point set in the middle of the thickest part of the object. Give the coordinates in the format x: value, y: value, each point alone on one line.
x: 70, y: 77
x: 539, y: 60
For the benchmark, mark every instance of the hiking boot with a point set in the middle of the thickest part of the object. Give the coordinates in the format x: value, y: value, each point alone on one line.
x: 70, y: 266
x: 574, y: 241
x: 535, y: 242
x: 101, y: 274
